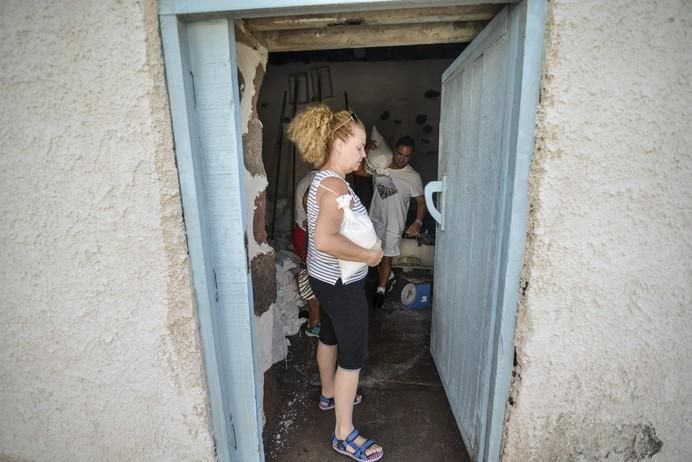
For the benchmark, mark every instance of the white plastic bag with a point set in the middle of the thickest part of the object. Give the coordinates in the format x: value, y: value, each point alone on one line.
x: 358, y: 229
x: 378, y: 160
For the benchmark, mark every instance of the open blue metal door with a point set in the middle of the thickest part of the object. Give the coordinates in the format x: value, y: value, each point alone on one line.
x: 489, y: 101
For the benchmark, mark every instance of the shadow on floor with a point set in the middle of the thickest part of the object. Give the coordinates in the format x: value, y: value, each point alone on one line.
x: 404, y: 405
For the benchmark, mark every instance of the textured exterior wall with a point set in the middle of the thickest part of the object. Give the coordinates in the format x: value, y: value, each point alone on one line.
x: 99, y: 352
x: 604, y: 329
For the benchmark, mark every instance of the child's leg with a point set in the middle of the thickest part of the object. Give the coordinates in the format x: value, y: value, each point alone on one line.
x: 313, y: 312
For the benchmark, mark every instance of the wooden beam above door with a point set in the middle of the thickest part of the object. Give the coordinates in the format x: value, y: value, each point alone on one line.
x: 359, y: 36
x: 376, y: 18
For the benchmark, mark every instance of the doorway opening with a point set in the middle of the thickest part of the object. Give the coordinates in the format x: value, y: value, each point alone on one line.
x: 395, y: 91
x: 489, y: 98
x: 399, y: 91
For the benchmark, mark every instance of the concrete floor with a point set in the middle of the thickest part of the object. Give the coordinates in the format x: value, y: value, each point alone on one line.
x: 404, y: 405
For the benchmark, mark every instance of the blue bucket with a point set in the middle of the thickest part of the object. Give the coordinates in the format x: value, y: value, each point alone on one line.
x: 417, y: 296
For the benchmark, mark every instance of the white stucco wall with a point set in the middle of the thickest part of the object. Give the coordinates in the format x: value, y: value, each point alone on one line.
x: 99, y: 351
x: 605, y: 326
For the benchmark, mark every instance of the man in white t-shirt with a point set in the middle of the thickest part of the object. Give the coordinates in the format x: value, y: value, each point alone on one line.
x: 390, y: 201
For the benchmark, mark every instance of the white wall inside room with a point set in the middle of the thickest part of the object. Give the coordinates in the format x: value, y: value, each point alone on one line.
x: 397, y: 87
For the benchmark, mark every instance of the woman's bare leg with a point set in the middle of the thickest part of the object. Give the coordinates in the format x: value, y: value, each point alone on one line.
x: 345, y: 386
x: 326, y: 362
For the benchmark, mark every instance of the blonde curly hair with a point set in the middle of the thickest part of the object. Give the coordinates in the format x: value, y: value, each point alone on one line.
x: 314, y: 129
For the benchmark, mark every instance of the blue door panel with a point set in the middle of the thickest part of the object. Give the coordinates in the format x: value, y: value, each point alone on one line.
x: 473, y: 160
x: 489, y: 102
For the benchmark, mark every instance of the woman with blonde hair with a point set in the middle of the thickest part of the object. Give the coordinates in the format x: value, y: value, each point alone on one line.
x: 334, y: 142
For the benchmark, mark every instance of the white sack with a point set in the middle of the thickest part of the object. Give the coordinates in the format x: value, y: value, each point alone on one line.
x: 358, y: 229
x: 378, y: 160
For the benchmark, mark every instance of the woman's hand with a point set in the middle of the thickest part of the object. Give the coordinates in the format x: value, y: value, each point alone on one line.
x: 375, y: 254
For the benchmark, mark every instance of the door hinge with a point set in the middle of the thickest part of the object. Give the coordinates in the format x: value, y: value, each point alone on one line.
x: 216, y: 285
x: 247, y: 256
x: 194, y: 92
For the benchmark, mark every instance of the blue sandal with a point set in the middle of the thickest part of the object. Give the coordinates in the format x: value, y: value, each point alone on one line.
x: 341, y: 446
x: 327, y: 404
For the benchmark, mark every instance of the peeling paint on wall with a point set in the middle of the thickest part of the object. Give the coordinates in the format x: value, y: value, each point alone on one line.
x: 252, y: 61
x: 264, y: 279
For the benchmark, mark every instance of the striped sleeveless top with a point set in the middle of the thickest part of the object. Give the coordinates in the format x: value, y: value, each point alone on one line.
x: 321, y: 265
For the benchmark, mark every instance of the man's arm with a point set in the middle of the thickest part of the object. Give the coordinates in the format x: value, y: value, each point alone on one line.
x: 414, y: 229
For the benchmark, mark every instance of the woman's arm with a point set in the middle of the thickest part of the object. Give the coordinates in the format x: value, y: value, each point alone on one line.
x: 327, y: 237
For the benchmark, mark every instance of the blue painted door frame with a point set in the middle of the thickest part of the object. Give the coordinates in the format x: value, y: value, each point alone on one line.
x: 199, y: 53
x: 203, y: 93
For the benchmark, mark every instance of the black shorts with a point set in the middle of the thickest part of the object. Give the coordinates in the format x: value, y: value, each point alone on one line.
x: 344, y: 320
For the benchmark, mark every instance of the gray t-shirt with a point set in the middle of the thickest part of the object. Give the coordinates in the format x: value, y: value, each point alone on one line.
x: 391, y: 197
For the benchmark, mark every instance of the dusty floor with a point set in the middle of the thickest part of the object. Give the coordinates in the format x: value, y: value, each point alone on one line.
x: 404, y: 405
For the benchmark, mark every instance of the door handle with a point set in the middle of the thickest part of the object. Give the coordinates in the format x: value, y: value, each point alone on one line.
x: 430, y: 189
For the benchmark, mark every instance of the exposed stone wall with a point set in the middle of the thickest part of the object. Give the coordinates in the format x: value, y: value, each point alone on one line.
x: 99, y: 352
x: 252, y: 64
x: 604, y: 328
